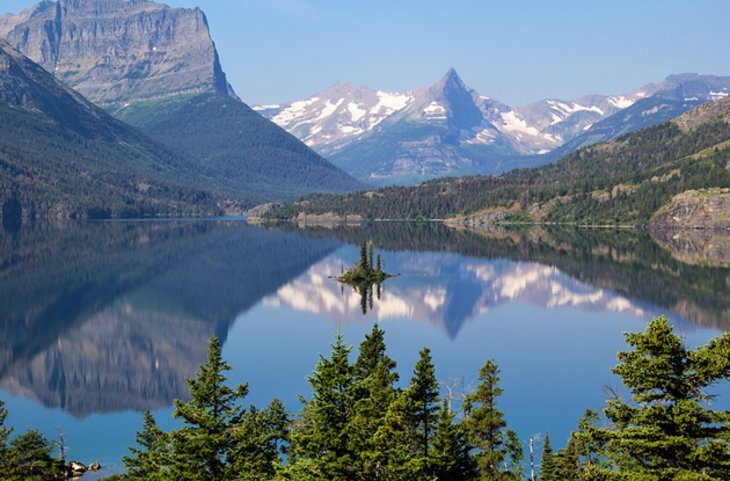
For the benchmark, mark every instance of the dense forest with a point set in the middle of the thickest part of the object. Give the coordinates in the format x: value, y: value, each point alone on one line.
x: 358, y: 424
x: 621, y: 182
x: 238, y: 147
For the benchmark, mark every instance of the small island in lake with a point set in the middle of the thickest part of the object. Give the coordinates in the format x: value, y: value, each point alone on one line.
x: 365, y: 274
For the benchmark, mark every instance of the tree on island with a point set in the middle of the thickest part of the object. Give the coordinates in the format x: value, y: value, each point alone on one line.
x: 364, y: 276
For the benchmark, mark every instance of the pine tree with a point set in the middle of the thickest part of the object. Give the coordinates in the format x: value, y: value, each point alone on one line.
x: 260, y: 443
x: 5, y: 433
x: 425, y: 392
x: 667, y: 432
x: 151, y: 460
x: 484, y: 423
x: 549, y: 470
x: 450, y: 453
x: 202, y: 446
x: 29, y: 459
x: 394, y: 457
x: 372, y: 352
x: 322, y: 445
x: 514, y: 456
x: 371, y: 251
x: 363, y: 263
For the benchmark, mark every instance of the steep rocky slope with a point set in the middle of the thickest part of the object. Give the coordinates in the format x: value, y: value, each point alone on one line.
x: 61, y: 156
x: 155, y: 67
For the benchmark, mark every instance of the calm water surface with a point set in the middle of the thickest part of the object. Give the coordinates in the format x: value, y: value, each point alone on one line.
x: 100, y: 321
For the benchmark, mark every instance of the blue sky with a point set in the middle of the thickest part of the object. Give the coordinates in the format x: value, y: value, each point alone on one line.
x: 517, y: 51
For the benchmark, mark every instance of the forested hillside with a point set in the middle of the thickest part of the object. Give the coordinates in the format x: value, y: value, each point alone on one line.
x: 620, y: 182
x: 61, y: 156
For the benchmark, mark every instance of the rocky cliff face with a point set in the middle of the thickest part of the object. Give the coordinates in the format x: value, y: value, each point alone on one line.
x: 117, y: 52
x: 696, y: 209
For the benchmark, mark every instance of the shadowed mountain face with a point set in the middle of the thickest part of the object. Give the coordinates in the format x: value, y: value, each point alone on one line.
x: 115, y: 316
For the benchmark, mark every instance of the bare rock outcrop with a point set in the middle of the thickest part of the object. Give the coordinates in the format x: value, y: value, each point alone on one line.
x: 120, y: 51
x: 695, y: 209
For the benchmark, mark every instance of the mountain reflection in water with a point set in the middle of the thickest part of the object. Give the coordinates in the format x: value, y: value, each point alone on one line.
x: 104, y: 317
x: 107, y: 317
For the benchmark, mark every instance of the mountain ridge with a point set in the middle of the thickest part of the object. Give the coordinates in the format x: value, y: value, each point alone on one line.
x: 506, y: 138
x: 151, y: 65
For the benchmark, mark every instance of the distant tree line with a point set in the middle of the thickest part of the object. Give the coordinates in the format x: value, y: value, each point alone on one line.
x: 621, y: 182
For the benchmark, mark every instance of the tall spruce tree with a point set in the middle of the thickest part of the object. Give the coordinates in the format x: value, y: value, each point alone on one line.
x: 322, y: 445
x: 394, y: 457
x: 260, y: 443
x: 372, y: 352
x: 668, y: 432
x: 202, y: 447
x: 5, y: 433
x: 425, y: 391
x: 485, y: 427
x: 549, y: 470
x: 450, y: 458
x: 150, y: 461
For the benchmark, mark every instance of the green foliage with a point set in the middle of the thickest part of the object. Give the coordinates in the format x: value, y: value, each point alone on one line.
x: 322, y: 446
x: 202, y: 448
x: 451, y: 459
x: 498, y: 454
x: 620, y: 182
x: 29, y: 459
x: 151, y: 459
x: 358, y: 426
x: 549, y: 468
x: 424, y: 390
x: 5, y: 433
x: 667, y: 432
x: 238, y: 148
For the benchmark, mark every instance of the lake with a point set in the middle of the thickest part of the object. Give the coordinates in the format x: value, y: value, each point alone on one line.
x: 100, y: 321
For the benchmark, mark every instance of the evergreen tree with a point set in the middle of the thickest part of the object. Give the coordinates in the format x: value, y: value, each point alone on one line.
x: 514, y: 456
x: 668, y: 433
x: 549, y: 469
x: 425, y: 391
x: 260, y: 442
x: 201, y: 448
x: 450, y: 453
x: 363, y: 263
x: 29, y: 459
x: 151, y: 460
x: 568, y: 461
x: 485, y: 424
x: 321, y: 446
x: 394, y: 457
x: 379, y: 268
x: 5, y: 433
x: 372, y: 353
x: 371, y: 249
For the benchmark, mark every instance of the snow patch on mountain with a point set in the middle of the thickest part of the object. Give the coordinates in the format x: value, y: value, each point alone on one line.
x: 512, y: 123
x: 295, y: 110
x: 621, y: 102
x: 329, y: 109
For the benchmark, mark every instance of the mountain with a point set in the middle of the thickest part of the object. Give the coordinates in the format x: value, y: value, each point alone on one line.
x: 624, y: 181
x: 673, y: 97
x: 395, y: 138
x: 157, y: 68
x: 61, y: 156
x: 116, y: 51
